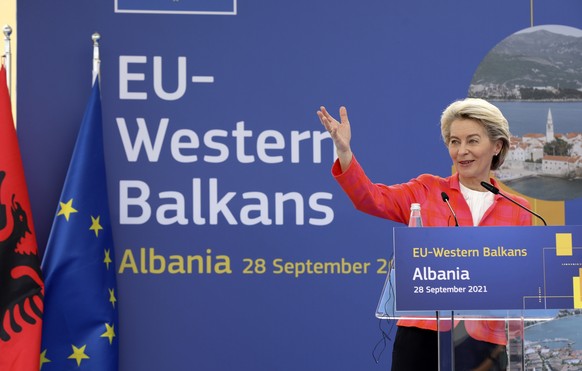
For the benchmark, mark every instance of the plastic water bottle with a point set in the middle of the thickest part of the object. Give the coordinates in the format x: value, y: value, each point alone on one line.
x: 415, y: 216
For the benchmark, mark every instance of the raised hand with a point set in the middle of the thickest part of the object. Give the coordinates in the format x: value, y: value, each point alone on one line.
x: 340, y: 132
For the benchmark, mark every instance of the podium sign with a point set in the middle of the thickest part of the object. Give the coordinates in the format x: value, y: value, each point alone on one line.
x: 487, y: 268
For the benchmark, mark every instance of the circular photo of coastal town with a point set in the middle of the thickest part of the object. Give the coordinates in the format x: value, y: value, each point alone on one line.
x: 535, y: 78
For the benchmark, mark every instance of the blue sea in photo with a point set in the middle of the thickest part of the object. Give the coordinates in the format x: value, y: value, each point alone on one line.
x: 531, y: 117
x: 557, y: 333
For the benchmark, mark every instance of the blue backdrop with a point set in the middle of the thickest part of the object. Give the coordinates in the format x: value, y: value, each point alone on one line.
x: 238, y: 143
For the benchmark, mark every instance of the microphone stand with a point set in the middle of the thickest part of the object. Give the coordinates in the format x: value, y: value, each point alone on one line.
x: 491, y: 188
x: 445, y: 198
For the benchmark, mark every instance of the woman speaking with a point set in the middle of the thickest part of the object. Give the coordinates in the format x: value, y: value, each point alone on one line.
x: 476, y: 135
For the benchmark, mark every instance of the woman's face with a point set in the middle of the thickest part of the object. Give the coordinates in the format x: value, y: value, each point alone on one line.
x: 472, y: 152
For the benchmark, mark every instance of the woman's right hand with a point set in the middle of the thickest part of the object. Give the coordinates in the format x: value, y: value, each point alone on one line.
x: 340, y: 133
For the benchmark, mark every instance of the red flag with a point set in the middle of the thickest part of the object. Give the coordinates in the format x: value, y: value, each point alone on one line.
x: 21, y: 284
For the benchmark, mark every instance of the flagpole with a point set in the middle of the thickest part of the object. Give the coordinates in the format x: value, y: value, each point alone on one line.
x: 96, y: 60
x: 7, y: 57
x: 89, y: 294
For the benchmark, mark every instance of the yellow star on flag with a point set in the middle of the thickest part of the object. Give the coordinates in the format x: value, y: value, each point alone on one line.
x: 110, y: 333
x: 67, y: 209
x: 43, y: 358
x: 107, y: 259
x: 112, y: 298
x: 78, y: 354
x: 95, y: 226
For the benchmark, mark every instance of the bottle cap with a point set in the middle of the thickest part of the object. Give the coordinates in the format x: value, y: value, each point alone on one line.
x: 414, y: 206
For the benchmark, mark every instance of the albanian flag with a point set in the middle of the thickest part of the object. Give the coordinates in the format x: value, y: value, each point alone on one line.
x: 21, y: 284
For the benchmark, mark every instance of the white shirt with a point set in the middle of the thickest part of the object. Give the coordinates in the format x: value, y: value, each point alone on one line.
x: 478, y: 202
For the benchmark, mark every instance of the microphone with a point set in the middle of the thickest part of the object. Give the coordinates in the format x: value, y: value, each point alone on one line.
x: 446, y: 200
x: 491, y: 188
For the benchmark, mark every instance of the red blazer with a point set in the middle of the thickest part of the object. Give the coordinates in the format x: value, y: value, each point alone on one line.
x: 393, y: 203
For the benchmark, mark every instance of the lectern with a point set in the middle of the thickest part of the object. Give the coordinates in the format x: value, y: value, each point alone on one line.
x: 517, y: 275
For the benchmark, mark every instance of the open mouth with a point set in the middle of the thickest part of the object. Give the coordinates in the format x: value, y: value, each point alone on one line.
x: 467, y: 162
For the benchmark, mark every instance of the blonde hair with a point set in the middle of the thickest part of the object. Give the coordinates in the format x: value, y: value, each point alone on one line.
x: 485, y: 113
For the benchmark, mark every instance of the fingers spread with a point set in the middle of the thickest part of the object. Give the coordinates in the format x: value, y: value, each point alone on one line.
x: 326, y: 114
x: 329, y: 122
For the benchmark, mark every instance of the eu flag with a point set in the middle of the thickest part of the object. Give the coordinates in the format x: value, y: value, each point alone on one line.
x: 80, y: 328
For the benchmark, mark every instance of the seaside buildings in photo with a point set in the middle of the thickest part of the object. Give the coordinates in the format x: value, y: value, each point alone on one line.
x: 543, y: 154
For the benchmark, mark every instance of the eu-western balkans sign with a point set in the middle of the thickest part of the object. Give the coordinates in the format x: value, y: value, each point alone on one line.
x: 488, y: 268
